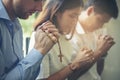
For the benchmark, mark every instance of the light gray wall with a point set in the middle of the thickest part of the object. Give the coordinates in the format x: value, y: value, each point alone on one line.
x: 112, y: 63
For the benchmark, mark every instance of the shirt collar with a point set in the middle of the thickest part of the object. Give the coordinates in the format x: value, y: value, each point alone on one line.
x: 3, y: 12
x: 79, y: 29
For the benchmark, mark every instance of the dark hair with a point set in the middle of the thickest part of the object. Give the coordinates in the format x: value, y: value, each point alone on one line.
x: 104, y: 6
x: 53, y: 6
x: 69, y: 4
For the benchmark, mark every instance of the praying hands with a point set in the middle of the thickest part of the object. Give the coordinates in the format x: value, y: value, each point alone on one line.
x: 45, y: 35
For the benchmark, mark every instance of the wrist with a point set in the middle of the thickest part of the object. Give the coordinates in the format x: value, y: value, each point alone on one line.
x: 97, y: 54
x: 73, y: 67
x: 40, y: 50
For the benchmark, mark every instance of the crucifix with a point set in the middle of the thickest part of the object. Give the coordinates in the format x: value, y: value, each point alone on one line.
x: 60, y: 55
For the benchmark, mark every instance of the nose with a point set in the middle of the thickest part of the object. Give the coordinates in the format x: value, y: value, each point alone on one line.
x: 38, y: 6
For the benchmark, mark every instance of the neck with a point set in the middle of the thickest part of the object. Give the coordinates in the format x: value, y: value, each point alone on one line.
x: 9, y: 8
x: 84, y: 26
x: 83, y: 21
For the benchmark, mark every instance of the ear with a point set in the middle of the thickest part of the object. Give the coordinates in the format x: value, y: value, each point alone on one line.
x: 90, y: 10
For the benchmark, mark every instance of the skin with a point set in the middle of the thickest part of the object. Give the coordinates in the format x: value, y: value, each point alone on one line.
x: 85, y: 58
x: 22, y: 8
x: 67, y: 19
x: 91, y: 21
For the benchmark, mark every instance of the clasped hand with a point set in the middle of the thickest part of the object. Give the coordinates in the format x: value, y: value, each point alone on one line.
x: 45, y: 37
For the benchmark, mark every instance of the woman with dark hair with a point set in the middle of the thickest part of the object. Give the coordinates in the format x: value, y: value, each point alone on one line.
x: 64, y: 15
x: 59, y: 63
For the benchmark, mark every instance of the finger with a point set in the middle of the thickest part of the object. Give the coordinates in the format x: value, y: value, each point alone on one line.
x: 46, y: 25
x: 84, y: 48
x: 92, y: 53
x: 51, y: 36
x: 52, y: 30
x: 111, y: 42
x: 107, y: 37
x: 89, y: 54
x: 89, y: 60
x: 42, y: 26
x: 46, y: 31
x: 93, y: 58
x: 47, y: 22
x: 56, y: 34
x: 55, y: 40
x: 88, y: 51
x: 103, y: 37
x: 99, y: 36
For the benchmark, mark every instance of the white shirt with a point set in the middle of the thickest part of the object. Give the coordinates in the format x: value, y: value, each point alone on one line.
x: 82, y: 39
x: 51, y: 62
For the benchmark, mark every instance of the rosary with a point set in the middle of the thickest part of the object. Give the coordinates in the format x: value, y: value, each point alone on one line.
x: 60, y: 55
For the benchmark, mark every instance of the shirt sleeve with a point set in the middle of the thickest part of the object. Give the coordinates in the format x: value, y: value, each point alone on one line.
x: 45, y: 68
x: 28, y: 68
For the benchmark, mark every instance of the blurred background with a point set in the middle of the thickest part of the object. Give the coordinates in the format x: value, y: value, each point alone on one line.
x: 112, y: 62
x: 27, y: 26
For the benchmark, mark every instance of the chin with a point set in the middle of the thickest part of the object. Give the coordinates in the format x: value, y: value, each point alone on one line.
x: 23, y: 17
x: 26, y: 17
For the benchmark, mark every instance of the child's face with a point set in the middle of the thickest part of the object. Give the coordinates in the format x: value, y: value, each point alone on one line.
x: 98, y: 20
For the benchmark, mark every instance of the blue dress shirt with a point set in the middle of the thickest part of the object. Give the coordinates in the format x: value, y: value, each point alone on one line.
x: 13, y: 66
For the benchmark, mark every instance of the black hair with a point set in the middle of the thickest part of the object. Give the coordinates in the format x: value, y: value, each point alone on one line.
x: 103, y: 6
x: 69, y: 4
x: 53, y: 6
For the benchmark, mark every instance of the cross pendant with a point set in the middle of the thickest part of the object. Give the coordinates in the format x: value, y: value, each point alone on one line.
x: 60, y: 56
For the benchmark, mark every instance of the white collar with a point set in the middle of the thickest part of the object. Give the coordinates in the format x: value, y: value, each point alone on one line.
x: 79, y: 28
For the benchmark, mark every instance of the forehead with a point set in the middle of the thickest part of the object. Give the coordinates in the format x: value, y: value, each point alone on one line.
x: 76, y: 11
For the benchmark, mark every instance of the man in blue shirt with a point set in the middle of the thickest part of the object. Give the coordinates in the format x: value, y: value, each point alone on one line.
x: 13, y: 66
